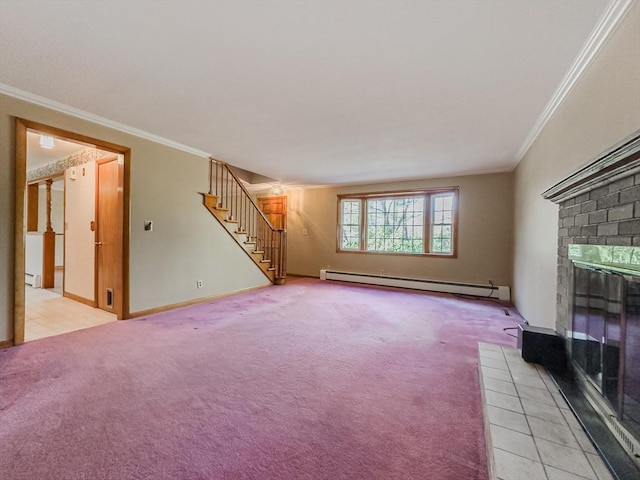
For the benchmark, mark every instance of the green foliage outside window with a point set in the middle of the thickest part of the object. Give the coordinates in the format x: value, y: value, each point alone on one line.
x: 398, y: 223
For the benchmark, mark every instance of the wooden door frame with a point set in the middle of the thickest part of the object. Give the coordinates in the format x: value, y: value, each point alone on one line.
x: 21, y: 127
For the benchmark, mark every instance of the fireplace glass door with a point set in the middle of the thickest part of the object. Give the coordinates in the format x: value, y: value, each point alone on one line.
x: 631, y: 358
x: 597, y: 329
x: 596, y: 315
x: 611, y: 373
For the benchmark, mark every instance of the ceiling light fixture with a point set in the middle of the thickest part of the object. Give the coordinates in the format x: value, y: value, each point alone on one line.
x: 276, y: 189
x: 46, y: 142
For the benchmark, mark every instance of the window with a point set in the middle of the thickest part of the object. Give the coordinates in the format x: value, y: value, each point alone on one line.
x: 442, y: 223
x: 351, y: 224
x: 420, y: 222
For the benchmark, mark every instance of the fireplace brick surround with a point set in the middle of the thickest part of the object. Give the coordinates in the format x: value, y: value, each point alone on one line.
x: 598, y: 205
x: 607, y: 215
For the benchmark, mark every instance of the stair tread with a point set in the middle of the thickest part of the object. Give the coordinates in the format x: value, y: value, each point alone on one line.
x: 236, y: 228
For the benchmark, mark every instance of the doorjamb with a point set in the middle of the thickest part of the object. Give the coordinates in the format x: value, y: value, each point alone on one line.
x: 22, y: 126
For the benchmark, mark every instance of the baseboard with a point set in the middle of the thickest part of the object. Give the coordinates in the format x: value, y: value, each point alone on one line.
x: 6, y: 344
x: 488, y: 291
x: 173, y: 306
x: 301, y: 275
x: 79, y: 299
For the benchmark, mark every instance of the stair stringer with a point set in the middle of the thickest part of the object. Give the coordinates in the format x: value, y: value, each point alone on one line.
x: 211, y: 203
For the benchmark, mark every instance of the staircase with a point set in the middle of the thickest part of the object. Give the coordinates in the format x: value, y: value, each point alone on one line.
x: 230, y: 202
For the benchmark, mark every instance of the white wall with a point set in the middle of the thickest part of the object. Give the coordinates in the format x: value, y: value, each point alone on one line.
x: 79, y: 245
x: 601, y: 110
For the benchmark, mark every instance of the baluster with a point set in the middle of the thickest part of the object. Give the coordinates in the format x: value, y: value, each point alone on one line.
x: 250, y: 230
x: 218, y: 182
x: 241, y: 212
x: 271, y: 252
x: 223, y: 187
x: 226, y: 187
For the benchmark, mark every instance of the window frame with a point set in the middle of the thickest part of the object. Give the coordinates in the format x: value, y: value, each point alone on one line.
x: 427, y: 194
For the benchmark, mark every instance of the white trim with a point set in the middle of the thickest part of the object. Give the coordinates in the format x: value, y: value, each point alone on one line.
x: 105, y: 122
x: 614, y: 164
x: 613, y: 15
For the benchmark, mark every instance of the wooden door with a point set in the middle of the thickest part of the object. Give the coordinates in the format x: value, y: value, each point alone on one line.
x: 109, y: 211
x: 275, y: 209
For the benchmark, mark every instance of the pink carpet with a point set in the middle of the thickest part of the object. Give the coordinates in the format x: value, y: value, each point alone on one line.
x: 310, y: 380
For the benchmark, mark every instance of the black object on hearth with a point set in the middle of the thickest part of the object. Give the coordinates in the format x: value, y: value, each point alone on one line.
x: 543, y: 346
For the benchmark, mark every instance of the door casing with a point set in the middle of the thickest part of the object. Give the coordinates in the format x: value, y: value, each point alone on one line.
x: 21, y: 127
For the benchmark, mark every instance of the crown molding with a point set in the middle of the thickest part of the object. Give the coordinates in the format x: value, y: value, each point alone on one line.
x: 622, y: 160
x: 613, y: 15
x: 105, y: 122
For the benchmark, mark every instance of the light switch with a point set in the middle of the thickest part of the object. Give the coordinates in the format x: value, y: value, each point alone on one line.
x: 304, y: 231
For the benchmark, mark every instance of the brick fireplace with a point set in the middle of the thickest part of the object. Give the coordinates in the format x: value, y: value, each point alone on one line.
x: 607, y: 215
x: 598, y: 286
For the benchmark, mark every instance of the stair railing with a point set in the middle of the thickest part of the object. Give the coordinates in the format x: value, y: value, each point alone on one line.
x: 233, y: 196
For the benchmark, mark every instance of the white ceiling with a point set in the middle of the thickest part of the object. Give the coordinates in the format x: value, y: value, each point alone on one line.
x: 311, y: 92
x: 38, y: 156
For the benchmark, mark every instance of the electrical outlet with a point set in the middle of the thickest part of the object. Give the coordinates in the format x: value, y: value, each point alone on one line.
x: 199, y: 283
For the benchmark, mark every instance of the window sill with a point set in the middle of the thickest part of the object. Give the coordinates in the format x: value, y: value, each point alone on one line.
x: 402, y: 254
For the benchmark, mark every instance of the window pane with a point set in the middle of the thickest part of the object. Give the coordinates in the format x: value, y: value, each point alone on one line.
x: 395, y: 225
x: 398, y: 223
x: 442, y: 223
x: 350, y: 224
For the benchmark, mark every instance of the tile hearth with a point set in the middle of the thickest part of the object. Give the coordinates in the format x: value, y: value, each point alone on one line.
x: 530, y: 430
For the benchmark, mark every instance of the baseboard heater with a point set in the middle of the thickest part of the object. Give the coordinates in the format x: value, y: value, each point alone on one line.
x: 479, y: 290
x: 34, y: 280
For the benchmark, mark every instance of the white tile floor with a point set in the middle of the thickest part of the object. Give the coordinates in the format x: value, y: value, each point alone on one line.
x: 531, y: 433
x: 48, y: 314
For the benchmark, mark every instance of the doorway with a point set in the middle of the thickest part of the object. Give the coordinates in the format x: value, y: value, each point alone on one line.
x: 110, y: 183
